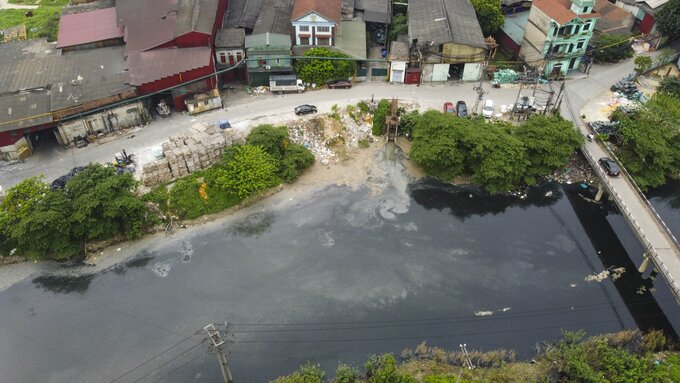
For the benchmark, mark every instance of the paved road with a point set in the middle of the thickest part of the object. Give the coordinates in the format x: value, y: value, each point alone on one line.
x: 243, y: 111
x: 660, y: 244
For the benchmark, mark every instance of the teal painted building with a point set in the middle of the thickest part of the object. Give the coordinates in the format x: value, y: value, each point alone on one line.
x: 267, y: 54
x: 557, y: 34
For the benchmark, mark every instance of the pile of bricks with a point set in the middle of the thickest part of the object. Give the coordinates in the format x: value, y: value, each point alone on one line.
x: 198, y: 148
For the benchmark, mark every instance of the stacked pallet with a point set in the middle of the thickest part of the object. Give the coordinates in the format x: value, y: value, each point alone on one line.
x: 198, y: 148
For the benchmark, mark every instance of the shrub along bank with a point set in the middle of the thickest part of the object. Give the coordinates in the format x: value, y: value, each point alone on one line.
x: 99, y: 204
x: 498, y: 155
x: 624, y: 357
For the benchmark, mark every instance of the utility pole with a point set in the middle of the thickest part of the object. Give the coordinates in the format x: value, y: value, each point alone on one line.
x: 466, y: 355
x: 218, y: 345
x: 480, y: 89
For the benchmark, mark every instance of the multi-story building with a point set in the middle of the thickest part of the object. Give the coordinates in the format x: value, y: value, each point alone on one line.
x: 316, y: 21
x: 557, y: 34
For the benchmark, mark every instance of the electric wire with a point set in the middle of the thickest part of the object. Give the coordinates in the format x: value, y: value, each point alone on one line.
x: 171, y: 360
x: 178, y: 368
x: 153, y: 357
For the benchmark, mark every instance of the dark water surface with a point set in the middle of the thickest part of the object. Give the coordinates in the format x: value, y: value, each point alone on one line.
x: 338, y: 276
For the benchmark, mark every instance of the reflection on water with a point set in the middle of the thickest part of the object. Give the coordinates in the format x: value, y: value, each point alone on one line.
x: 253, y: 225
x: 64, y: 284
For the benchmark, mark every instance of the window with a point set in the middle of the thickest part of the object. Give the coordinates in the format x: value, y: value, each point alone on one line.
x: 239, y: 56
x: 586, y: 26
x: 579, y: 45
x: 304, y: 40
x: 304, y: 28
x: 577, y: 29
x: 323, y: 29
x: 556, y: 49
x: 206, y: 102
x: 323, y: 41
x: 231, y: 60
x: 223, y: 58
x: 585, y: 9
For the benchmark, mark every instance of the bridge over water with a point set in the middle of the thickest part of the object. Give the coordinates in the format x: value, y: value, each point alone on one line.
x: 661, y: 246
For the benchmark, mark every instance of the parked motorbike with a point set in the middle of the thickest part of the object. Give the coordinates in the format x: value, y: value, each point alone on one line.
x: 163, y: 109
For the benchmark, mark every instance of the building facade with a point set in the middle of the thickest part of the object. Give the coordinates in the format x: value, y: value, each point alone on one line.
x: 268, y: 54
x: 557, y: 34
x: 316, y: 21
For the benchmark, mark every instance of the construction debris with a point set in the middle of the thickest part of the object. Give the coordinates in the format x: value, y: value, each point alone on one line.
x: 198, y: 148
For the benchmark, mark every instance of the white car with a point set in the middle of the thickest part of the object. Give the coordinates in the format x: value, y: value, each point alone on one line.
x: 487, y: 109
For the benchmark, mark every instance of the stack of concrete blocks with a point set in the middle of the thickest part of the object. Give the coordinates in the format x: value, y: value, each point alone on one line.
x: 198, y: 148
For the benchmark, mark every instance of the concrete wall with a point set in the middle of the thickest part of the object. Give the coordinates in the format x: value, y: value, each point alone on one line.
x: 105, y: 122
x: 531, y: 49
x: 453, y: 53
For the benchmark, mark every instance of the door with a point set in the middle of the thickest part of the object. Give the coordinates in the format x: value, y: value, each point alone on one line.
x: 440, y: 72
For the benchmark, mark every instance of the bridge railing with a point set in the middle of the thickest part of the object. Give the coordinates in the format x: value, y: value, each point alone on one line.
x: 650, y: 249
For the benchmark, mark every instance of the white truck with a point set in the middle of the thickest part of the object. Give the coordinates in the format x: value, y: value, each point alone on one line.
x: 286, y: 83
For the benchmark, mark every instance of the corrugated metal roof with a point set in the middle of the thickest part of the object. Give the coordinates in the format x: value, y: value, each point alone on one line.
x: 377, y: 11
x: 34, y: 81
x: 86, y: 7
x: 268, y: 39
x: 196, y: 16
x: 515, y: 25
x: 242, y: 13
x: 24, y: 109
x: 88, y: 27
x: 444, y: 21
x: 232, y: 37
x: 147, y: 67
x: 275, y: 17
x: 351, y: 39
x: 148, y: 23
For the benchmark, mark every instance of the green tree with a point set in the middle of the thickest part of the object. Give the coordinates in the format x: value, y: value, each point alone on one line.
x: 489, y: 15
x: 498, y: 160
x: 549, y: 143
x: 379, y: 116
x: 611, y: 48
x: 273, y: 139
x: 296, y: 159
x: 670, y: 86
x: 669, y: 19
x: 642, y: 63
x: 104, y: 204
x: 650, y: 148
x: 250, y: 170
x: 47, y: 231
x: 19, y: 201
x: 399, y: 26
x: 319, y: 71
x: 437, y: 144
x: 346, y: 374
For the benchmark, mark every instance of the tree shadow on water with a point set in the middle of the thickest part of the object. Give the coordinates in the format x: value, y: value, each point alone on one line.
x: 64, y: 284
x: 139, y: 261
x: 253, y: 225
x: 467, y: 201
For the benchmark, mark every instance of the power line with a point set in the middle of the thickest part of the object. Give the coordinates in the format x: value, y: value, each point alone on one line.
x: 178, y: 368
x: 436, y: 336
x: 443, y: 320
x: 170, y: 360
x: 154, y: 357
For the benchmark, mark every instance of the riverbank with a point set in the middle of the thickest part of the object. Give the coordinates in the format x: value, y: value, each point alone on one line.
x: 352, y: 170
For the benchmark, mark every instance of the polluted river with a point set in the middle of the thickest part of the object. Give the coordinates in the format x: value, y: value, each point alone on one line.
x: 337, y: 272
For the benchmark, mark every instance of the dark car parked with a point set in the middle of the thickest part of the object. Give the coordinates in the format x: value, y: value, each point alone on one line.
x: 340, y: 84
x: 305, y: 109
x: 461, y: 109
x: 609, y: 166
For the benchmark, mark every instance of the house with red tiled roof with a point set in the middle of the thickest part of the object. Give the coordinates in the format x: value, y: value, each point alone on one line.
x: 316, y: 21
x: 557, y: 34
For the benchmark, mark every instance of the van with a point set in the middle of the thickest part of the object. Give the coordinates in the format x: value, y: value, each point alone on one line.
x: 487, y: 109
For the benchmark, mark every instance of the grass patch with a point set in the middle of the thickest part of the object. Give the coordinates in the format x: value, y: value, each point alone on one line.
x: 43, y: 23
x: 60, y: 3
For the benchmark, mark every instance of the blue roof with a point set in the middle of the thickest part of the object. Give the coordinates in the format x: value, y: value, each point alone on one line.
x: 514, y: 26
